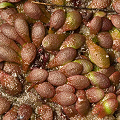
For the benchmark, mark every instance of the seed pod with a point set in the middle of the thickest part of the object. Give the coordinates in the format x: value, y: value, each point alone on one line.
x: 98, y: 79
x: 37, y: 75
x: 87, y: 65
x: 8, y: 54
x: 38, y: 33
x: 32, y: 10
x: 28, y: 54
x: 73, y: 40
x: 73, y: 21
x: 11, y: 114
x: 7, y: 12
x: 24, y: 112
x: 8, y: 42
x: 95, y: 25
x: 4, y: 105
x: 10, y: 84
x: 45, y: 112
x: 12, y: 68
x: 94, y: 94
x: 115, y: 77
x: 65, y: 98
x: 52, y: 42
x: 109, y: 71
x: 82, y: 106
x: 100, y: 3
x: 106, y: 24
x: 58, y: 2
x: 11, y: 33
x: 70, y: 111
x: 71, y: 68
x: 98, y: 55
x: 45, y: 90
x: 78, y: 81
x: 116, y: 20
x: 105, y: 40
x: 22, y: 29
x: 116, y: 5
x: 57, y: 19
x: 64, y: 56
x: 56, y: 78
x: 65, y: 88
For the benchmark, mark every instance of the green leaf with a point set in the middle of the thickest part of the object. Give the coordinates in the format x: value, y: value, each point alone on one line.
x: 6, y: 4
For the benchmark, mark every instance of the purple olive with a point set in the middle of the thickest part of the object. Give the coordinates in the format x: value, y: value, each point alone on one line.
x: 65, y: 88
x: 65, y: 98
x: 4, y: 105
x: 57, y: 19
x: 94, y: 94
x: 45, y: 90
x: 37, y: 75
x: 116, y: 20
x: 64, y: 56
x: 24, y: 112
x: 78, y: 81
x: 32, y: 10
x: 71, y: 68
x: 105, y: 40
x: 45, y: 112
x: 56, y: 78
x: 38, y: 33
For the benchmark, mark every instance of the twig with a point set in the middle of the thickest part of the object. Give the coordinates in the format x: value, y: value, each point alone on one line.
x: 73, y: 7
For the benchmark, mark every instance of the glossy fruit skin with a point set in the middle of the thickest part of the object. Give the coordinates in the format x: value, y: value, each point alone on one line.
x: 57, y: 19
x: 98, y: 55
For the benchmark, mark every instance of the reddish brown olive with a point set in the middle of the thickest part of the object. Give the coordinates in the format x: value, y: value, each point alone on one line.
x: 106, y: 24
x: 65, y: 88
x: 65, y: 98
x: 45, y: 90
x: 56, y: 78
x: 95, y: 25
x: 78, y: 81
x: 116, y: 5
x: 105, y: 40
x: 98, y: 79
x: 115, y: 77
x: 45, y: 112
x: 70, y: 111
x: 4, y: 105
x: 32, y: 10
x: 24, y: 112
x: 38, y: 33
x: 37, y: 75
x: 71, y: 68
x: 57, y: 19
x: 82, y: 106
x: 64, y: 56
x: 11, y: 114
x: 94, y: 94
x: 116, y: 20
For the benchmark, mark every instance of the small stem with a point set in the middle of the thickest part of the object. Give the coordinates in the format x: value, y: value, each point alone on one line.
x: 73, y: 7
